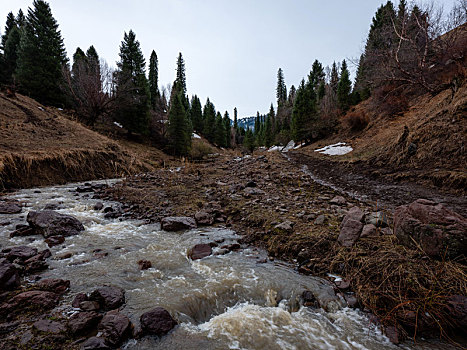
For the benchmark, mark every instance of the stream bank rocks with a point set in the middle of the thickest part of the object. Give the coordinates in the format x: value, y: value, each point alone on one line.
x: 158, y: 321
x: 10, y: 207
x: 178, y: 223
x: 50, y: 223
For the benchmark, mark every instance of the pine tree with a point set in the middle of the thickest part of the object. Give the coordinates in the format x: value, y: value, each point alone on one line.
x: 316, y: 75
x: 79, y: 59
x: 344, y: 87
x: 235, y: 119
x: 41, y: 56
x: 10, y: 24
x: 20, y: 19
x: 93, y: 62
x: 10, y: 55
x: 281, y: 89
x: 334, y: 78
x: 209, y: 116
x: 292, y: 93
x: 179, y: 131
x: 133, y: 95
x: 181, y: 79
x: 196, y: 115
x: 227, y: 127
x: 304, y: 113
x: 153, y: 80
x: 268, y: 135
x: 220, y: 131
x: 249, y: 140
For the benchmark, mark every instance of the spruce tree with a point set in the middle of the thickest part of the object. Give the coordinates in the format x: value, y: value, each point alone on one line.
x: 249, y: 140
x: 181, y: 78
x: 316, y: 75
x: 10, y: 55
x: 227, y: 127
x: 344, y: 87
x: 219, y: 139
x: 93, y: 62
x: 41, y: 56
x: 334, y: 82
x: 10, y: 24
x: 196, y: 115
x: 281, y: 89
x: 153, y: 80
x: 20, y: 19
x: 304, y: 113
x: 209, y: 116
x: 179, y: 131
x: 235, y: 119
x: 133, y: 95
x: 268, y: 136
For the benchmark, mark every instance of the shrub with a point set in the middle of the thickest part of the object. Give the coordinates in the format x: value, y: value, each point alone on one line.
x: 356, y: 121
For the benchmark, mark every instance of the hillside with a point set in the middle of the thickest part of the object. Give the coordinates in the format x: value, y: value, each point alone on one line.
x: 40, y: 146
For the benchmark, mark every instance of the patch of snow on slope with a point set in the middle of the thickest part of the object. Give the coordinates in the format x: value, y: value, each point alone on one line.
x: 337, y: 149
x: 196, y: 136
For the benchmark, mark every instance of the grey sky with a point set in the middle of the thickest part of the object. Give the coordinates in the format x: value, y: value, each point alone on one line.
x: 232, y: 49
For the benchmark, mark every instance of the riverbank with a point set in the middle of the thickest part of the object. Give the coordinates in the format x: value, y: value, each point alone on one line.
x: 271, y: 203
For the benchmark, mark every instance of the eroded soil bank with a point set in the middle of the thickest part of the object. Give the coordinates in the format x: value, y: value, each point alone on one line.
x: 273, y: 203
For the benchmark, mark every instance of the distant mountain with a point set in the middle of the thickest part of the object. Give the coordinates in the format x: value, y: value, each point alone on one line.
x: 246, y: 122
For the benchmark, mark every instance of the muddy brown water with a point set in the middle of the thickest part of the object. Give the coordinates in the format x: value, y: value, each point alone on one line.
x: 232, y: 301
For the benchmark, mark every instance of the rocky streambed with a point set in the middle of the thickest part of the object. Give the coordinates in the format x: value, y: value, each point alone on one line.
x: 79, y: 272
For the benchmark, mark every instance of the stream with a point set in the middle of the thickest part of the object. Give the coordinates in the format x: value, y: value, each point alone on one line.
x: 239, y: 300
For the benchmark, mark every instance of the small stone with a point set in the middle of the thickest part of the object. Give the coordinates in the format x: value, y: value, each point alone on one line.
x: 144, y: 264
x: 178, y: 223
x: 369, y: 230
x: 53, y: 241
x: 320, y: 220
x: 338, y: 200
x: 98, y: 206
x: 286, y: 226
x: 89, y: 305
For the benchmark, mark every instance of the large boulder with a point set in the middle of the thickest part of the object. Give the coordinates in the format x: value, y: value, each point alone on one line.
x: 9, y: 276
x: 21, y: 252
x: 83, y: 323
x: 34, y: 300
x: 177, y: 223
x: 351, y: 227
x: 109, y: 298
x: 115, y: 327
x: 204, y: 218
x: 158, y: 321
x: 58, y: 286
x: 49, y: 326
x: 9, y: 207
x: 436, y: 229
x: 199, y: 251
x: 50, y: 223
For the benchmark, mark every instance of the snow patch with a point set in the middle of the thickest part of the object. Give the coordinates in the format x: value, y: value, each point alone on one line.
x: 196, y: 136
x: 118, y: 124
x: 275, y: 148
x: 337, y: 149
x: 289, y: 146
x: 41, y: 108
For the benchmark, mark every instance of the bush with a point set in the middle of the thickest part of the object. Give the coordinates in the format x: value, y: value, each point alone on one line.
x: 200, y: 149
x: 356, y: 121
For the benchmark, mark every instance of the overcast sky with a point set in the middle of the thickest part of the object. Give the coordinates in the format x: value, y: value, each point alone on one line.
x: 232, y: 49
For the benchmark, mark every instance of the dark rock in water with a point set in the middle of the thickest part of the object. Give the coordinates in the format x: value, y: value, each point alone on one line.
x: 89, y: 306
x: 41, y: 256
x: 98, y: 206
x: 58, y: 286
x: 9, y: 276
x: 36, y: 266
x: 309, y: 299
x: 79, y: 298
x: 108, y: 210
x: 99, y: 253
x: 199, y: 251
x: 204, y: 218
x: 19, y: 252
x: 351, y: 227
x: 83, y: 189
x: 34, y: 300
x: 177, y: 223
x: 109, y: 298
x: 22, y: 230
x: 52, y: 241
x: 50, y: 223
x: 53, y: 206
x: 49, y: 326
x: 158, y: 321
x: 144, y: 264
x: 95, y: 343
x: 115, y: 327
x: 10, y: 207
x: 432, y: 226
x: 83, y: 323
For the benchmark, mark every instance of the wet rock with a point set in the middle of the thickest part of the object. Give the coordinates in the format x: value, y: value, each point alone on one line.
x: 286, y: 226
x: 309, y: 299
x: 58, y: 286
x: 199, y: 251
x: 158, y: 321
x: 115, y: 327
x: 83, y: 189
x: 434, y: 227
x: 41, y: 256
x: 10, y: 207
x: 393, y: 334
x: 230, y: 247
x: 50, y: 223
x: 144, y: 264
x: 351, y: 227
x: 19, y: 252
x: 109, y: 298
x: 378, y: 219
x: 98, y: 206
x: 22, y: 230
x: 9, y: 276
x: 53, y: 206
x: 338, y: 200
x: 303, y: 256
x: 89, y: 305
x: 351, y: 300
x: 79, y: 298
x: 64, y: 256
x: 99, y: 253
x: 177, y: 223
x: 33, y: 300
x: 83, y: 323
x: 204, y: 218
x: 342, y: 284
x: 236, y: 188
x: 53, y: 241
x: 320, y: 220
x: 95, y: 343
x: 369, y: 230
x: 49, y: 326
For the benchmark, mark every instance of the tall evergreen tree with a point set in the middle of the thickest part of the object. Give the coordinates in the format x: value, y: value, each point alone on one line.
x: 249, y: 140
x: 133, y: 95
x: 316, y: 75
x: 10, y: 54
x: 220, y: 131
x: 179, y: 130
x: 20, y: 19
x: 196, y: 115
x: 41, y: 56
x: 209, y: 116
x: 292, y: 93
x: 93, y: 62
x: 10, y: 24
x: 153, y: 80
x: 235, y: 119
x: 334, y: 82
x: 227, y: 127
x: 304, y: 113
x: 344, y: 87
x: 281, y: 89
x: 181, y: 78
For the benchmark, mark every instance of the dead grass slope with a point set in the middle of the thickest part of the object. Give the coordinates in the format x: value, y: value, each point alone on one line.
x: 40, y: 146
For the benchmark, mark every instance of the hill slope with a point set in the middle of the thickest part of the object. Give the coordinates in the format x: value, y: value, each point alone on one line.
x: 40, y: 146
